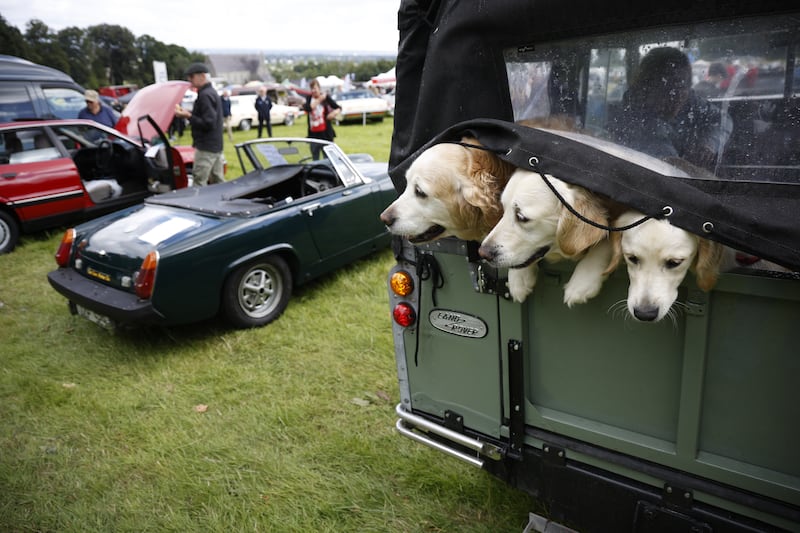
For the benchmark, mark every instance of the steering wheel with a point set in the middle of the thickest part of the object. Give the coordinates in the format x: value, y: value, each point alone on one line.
x: 103, y: 155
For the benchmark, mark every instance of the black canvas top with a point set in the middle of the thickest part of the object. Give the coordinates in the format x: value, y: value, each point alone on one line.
x: 452, y: 80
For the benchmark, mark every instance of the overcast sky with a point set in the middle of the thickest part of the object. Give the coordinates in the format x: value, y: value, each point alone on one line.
x: 203, y: 25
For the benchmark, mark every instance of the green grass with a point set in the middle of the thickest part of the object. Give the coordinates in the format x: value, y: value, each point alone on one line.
x: 102, y: 432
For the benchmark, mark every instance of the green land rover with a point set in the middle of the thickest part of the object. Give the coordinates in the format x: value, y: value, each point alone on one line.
x: 615, y: 424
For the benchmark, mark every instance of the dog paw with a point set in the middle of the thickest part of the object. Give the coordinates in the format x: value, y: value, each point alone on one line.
x: 521, y: 282
x: 581, y: 291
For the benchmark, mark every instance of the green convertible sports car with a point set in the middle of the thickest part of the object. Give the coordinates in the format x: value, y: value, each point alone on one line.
x: 303, y: 208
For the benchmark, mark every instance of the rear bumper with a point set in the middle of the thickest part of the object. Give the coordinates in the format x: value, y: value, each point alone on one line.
x: 592, y: 488
x: 119, y: 306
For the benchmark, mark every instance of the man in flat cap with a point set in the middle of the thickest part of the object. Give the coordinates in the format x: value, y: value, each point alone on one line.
x: 96, y: 110
x: 205, y: 119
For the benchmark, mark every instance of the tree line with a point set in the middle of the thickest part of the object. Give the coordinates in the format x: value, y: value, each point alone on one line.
x: 99, y: 55
x: 108, y: 54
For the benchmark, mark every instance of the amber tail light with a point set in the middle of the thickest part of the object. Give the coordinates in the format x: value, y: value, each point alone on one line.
x: 145, y: 278
x: 65, y: 248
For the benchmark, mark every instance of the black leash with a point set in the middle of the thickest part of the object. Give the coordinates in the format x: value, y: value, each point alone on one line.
x: 572, y: 210
x: 427, y: 269
x: 561, y: 199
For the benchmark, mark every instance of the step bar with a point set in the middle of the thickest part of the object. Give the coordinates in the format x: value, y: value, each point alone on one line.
x: 417, y: 428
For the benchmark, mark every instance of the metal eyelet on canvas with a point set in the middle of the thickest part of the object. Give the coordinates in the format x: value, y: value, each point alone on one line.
x: 533, y: 161
x: 708, y: 227
x: 667, y: 210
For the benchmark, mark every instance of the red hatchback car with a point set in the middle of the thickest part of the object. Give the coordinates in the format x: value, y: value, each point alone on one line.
x: 57, y: 171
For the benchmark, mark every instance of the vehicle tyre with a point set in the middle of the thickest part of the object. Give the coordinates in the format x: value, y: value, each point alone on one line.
x: 257, y: 292
x: 245, y: 125
x: 9, y: 232
x: 289, y: 120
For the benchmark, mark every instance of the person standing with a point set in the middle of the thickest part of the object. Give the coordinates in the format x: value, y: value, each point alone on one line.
x: 96, y: 110
x: 321, y: 109
x: 263, y: 106
x: 226, y: 113
x: 205, y: 118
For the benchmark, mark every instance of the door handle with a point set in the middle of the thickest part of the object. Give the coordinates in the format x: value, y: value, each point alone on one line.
x: 9, y: 175
x: 309, y: 209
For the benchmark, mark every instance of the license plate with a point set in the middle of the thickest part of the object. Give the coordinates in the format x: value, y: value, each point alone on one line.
x: 91, y: 316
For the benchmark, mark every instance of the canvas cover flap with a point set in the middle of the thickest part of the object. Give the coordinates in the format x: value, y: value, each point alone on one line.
x: 452, y: 79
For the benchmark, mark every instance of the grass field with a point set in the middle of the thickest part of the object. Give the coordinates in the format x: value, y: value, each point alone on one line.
x: 286, y: 428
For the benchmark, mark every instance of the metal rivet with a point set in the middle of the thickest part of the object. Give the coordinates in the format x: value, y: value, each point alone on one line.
x: 708, y: 227
x: 669, y: 490
x: 687, y: 495
x: 546, y: 449
x: 533, y: 161
x: 667, y: 210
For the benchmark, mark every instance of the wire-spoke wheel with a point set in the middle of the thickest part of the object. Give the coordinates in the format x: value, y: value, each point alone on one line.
x: 257, y: 292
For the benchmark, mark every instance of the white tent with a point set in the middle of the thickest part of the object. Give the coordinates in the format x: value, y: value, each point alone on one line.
x: 330, y: 82
x: 386, y: 79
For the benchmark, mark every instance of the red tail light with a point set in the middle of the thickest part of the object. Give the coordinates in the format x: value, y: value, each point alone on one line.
x: 65, y: 248
x: 404, y: 314
x: 146, y: 276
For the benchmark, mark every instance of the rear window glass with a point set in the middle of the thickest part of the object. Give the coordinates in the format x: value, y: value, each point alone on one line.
x: 15, y: 103
x: 717, y: 99
x: 64, y: 103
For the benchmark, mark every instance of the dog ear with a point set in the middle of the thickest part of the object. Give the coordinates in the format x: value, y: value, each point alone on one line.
x: 615, y: 238
x: 477, y: 203
x: 487, y: 176
x: 574, y: 235
x: 706, y: 263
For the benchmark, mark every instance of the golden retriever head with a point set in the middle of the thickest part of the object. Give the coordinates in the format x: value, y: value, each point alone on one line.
x: 658, y: 255
x: 451, y: 190
x: 535, y: 223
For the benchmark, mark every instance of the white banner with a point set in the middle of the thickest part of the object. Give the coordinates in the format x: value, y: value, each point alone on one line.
x: 160, y: 71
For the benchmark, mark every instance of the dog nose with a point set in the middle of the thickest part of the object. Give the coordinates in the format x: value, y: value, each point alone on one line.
x: 646, y: 314
x: 387, y: 218
x: 487, y: 252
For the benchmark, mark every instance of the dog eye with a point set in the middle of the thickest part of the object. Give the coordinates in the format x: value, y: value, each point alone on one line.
x: 519, y: 216
x: 673, y: 263
x: 419, y: 192
x: 632, y: 259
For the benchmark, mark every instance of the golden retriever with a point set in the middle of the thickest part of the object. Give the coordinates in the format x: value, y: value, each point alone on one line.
x: 536, y: 225
x: 451, y: 190
x: 658, y: 255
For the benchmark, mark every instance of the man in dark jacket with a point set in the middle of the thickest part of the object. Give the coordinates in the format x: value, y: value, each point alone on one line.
x: 263, y: 106
x: 206, y: 121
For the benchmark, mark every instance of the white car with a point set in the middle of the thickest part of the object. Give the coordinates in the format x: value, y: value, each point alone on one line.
x: 244, y: 114
x: 361, y: 105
